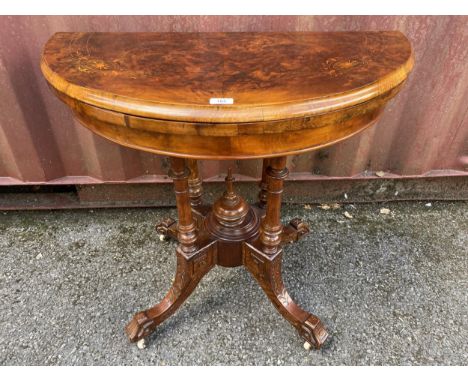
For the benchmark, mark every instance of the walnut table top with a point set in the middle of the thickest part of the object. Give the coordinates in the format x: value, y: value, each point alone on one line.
x: 227, y: 95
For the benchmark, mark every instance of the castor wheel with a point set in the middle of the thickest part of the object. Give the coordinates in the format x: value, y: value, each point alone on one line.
x: 307, y: 345
x: 165, y: 229
x: 141, y: 344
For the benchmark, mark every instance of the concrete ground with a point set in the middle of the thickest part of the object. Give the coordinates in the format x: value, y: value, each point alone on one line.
x: 392, y: 289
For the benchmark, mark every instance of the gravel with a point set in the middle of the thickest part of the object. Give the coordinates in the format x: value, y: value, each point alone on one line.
x: 391, y: 289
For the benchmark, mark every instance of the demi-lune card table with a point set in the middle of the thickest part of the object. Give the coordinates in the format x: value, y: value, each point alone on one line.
x: 221, y: 96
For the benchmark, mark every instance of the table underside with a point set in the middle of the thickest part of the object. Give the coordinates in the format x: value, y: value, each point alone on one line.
x: 229, y: 141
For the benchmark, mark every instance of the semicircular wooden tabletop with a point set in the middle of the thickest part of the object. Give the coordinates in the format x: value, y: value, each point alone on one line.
x: 174, y: 75
x: 257, y: 78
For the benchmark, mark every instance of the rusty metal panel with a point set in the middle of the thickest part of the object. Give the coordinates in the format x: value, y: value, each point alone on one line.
x: 424, y: 131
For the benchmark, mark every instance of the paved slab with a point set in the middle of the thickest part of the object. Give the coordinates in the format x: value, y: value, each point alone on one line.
x: 392, y: 289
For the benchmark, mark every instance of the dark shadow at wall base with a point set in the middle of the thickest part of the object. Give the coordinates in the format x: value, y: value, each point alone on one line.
x: 360, y: 190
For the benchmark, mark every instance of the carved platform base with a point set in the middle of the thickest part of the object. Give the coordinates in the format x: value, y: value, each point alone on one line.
x: 231, y: 233
x: 291, y: 232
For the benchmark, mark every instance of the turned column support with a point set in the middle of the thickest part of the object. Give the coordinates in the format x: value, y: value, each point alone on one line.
x: 168, y: 227
x: 195, y: 183
x: 296, y: 227
x: 262, y: 194
x: 271, y: 228
x: 186, y: 228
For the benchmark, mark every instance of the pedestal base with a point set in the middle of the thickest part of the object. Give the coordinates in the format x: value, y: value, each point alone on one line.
x: 265, y: 269
x: 230, y: 234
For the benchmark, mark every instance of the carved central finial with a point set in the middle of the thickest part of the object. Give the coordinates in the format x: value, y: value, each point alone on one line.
x: 230, y: 209
x: 229, y: 185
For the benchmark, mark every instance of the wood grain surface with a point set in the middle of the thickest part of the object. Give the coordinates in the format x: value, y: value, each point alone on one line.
x: 292, y: 92
x: 269, y: 76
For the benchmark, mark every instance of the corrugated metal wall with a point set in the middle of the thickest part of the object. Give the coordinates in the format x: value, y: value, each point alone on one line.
x: 424, y: 131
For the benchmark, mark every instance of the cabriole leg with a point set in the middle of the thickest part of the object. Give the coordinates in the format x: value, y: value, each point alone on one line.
x: 267, y: 272
x: 263, y: 260
x: 192, y: 262
x: 189, y: 272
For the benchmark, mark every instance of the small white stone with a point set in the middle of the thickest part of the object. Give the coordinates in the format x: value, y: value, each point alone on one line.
x: 39, y: 256
x: 162, y: 237
x: 348, y: 215
x: 428, y: 204
x: 384, y: 211
x: 141, y: 344
x: 346, y: 196
x: 380, y: 173
x: 307, y: 346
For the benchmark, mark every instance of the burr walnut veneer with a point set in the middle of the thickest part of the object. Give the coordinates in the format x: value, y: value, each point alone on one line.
x: 227, y: 96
